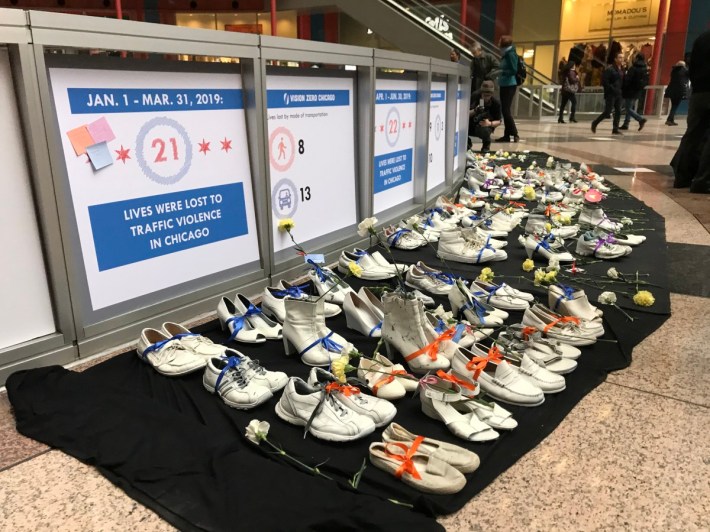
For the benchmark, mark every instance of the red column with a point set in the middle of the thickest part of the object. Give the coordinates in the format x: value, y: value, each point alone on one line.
x: 657, y: 45
x: 330, y: 21
x: 119, y: 10
x: 473, y: 16
x: 504, y: 18
x: 464, y: 6
x: 304, y: 27
x: 273, y: 17
x: 676, y: 35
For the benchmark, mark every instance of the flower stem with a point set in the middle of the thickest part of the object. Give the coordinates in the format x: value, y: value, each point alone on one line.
x: 312, y: 470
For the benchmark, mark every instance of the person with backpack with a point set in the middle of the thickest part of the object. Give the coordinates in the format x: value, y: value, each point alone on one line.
x: 635, y: 82
x: 677, y: 90
x: 509, y: 79
x: 613, y: 81
x: 571, y: 85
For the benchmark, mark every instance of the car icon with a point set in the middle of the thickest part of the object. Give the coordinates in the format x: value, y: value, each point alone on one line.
x: 284, y: 198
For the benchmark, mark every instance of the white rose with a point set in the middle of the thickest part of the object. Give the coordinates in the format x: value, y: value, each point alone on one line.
x: 553, y: 264
x: 607, y: 298
x: 612, y: 273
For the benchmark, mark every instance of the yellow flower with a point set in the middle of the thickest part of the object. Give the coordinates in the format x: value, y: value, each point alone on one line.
x: 355, y: 269
x: 506, y: 154
x: 644, y: 298
x: 528, y: 265
x: 518, y: 169
x: 286, y: 225
x: 486, y: 275
x: 551, y: 277
x: 529, y: 193
x: 548, y: 227
x: 496, y: 197
x: 339, y: 367
x: 565, y: 219
x: 539, y: 276
x: 510, y: 210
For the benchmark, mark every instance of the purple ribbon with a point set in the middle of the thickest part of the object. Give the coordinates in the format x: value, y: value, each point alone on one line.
x: 602, y: 240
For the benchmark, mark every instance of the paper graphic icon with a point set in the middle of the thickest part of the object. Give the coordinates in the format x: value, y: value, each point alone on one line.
x: 100, y: 131
x: 80, y: 138
x: 100, y: 155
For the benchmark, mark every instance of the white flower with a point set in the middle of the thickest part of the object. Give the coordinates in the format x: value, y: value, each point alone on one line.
x: 607, y: 298
x: 553, y: 264
x: 583, y: 168
x: 257, y: 430
x: 612, y: 273
x: 627, y: 221
x: 550, y: 161
x: 364, y: 227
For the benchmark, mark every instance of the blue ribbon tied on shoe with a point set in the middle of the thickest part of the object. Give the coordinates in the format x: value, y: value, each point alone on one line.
x: 320, y: 272
x: 486, y: 246
x: 238, y: 321
x: 156, y: 347
x: 544, y: 244
x: 327, y: 343
x: 377, y: 327
x: 296, y: 292
x: 442, y: 276
x: 568, y: 291
x: 394, y: 237
x: 489, y: 292
x: 476, y: 307
x: 232, y: 362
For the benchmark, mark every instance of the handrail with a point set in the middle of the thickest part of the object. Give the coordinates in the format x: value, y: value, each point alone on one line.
x: 468, y: 34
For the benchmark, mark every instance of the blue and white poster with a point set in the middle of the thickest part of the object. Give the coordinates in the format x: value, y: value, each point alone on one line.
x: 159, y: 174
x: 311, y: 155
x: 395, y: 125
x: 436, y: 169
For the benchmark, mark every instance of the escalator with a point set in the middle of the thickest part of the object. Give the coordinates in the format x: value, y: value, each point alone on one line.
x: 419, y: 27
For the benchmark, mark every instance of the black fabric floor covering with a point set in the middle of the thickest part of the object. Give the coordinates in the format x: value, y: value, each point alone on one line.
x: 179, y: 450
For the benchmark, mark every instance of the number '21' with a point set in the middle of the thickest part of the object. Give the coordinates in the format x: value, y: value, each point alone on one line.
x: 160, y: 143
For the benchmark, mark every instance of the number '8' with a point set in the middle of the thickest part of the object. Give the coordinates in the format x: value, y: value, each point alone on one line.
x: 301, y: 147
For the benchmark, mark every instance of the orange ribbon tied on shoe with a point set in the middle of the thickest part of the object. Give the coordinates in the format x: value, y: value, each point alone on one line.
x: 516, y: 204
x: 452, y: 378
x: 387, y: 380
x: 345, y: 389
x: 565, y: 319
x: 433, y: 348
x: 478, y: 364
x: 549, y: 211
x: 406, y: 459
x: 527, y: 332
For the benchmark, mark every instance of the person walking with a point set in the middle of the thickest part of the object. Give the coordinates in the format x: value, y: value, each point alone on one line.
x: 483, y: 67
x: 612, y: 80
x: 691, y: 163
x: 508, y: 85
x: 677, y: 90
x: 635, y: 82
x: 571, y: 85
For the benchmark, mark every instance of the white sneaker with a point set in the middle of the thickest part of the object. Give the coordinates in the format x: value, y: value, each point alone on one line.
x: 453, y: 246
x: 379, y: 410
x: 168, y: 356
x: 401, y: 238
x: 600, y: 247
x: 541, y: 244
x: 499, y: 296
x: 595, y: 217
x: 422, y: 277
x: 332, y: 421
x: 256, y: 373
x: 228, y: 378
x: 465, y: 305
x: 198, y: 344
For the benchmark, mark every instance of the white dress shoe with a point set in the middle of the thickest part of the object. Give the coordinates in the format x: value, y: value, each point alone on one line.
x: 332, y: 421
x: 437, y: 397
x: 567, y: 301
x: 371, y: 270
x: 256, y: 318
x: 382, y: 261
x: 406, y: 329
x: 198, y: 344
x: 329, y: 285
x: 465, y: 305
x: 379, y: 410
x: 422, y: 277
x: 228, y: 378
x: 382, y: 378
x: 360, y: 317
x: 305, y: 333
x: 502, y: 382
x: 536, y: 373
x: 564, y: 329
x: 237, y: 324
x: 498, y: 296
x: 168, y: 356
x: 541, y: 244
x: 536, y: 224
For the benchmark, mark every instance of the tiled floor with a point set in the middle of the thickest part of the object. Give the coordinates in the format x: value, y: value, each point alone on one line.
x: 633, y: 455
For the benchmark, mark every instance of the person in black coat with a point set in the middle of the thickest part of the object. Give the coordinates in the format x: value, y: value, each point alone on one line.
x: 691, y: 163
x: 571, y: 85
x: 613, y: 81
x: 635, y: 82
x: 677, y: 90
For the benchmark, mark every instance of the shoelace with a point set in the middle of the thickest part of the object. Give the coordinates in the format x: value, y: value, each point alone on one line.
x: 237, y: 322
x: 604, y: 241
x: 257, y: 368
x: 161, y: 352
x: 395, y: 237
x: 326, y: 396
x: 231, y: 372
x: 441, y: 277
